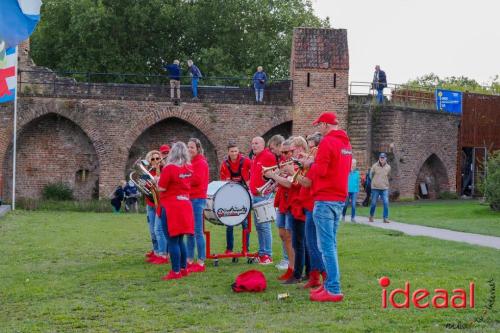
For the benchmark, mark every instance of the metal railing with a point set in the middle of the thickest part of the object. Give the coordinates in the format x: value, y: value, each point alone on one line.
x: 44, y: 82
x: 394, y: 94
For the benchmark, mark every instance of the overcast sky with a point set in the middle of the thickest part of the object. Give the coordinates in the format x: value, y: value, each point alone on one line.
x: 409, y: 38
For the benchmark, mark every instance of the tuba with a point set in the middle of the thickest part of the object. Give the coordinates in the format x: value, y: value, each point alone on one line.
x: 144, y: 181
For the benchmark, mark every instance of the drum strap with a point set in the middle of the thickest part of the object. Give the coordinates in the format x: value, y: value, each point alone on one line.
x: 237, y: 174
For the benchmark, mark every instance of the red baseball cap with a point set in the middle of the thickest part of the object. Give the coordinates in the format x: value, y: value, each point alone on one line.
x: 327, y: 117
x: 164, y: 149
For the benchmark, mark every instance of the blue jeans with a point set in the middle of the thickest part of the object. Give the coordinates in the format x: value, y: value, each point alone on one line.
x: 385, y: 199
x: 259, y: 94
x: 264, y: 233
x: 326, y: 216
x: 299, y: 247
x: 176, y: 247
x: 151, y: 213
x: 230, y: 236
x: 198, y: 206
x: 351, y: 198
x: 194, y: 86
x: 380, y: 95
x: 312, y: 244
x: 160, y: 230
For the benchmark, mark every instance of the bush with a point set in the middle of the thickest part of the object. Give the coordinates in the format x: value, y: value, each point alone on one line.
x: 491, y: 183
x: 57, y: 192
x: 447, y: 195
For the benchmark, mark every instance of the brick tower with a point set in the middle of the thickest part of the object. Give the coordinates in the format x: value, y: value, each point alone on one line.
x: 320, y: 73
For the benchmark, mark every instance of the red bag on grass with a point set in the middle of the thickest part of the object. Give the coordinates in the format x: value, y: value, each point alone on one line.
x: 250, y: 281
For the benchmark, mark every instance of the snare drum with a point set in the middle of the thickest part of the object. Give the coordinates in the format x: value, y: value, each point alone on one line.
x: 228, y: 203
x: 265, y: 211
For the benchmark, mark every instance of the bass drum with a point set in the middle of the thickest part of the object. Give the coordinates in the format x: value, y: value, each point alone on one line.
x: 228, y: 203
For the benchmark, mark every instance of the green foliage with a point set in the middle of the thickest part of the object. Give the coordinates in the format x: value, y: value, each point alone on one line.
x: 491, y: 184
x: 224, y: 37
x: 57, y: 192
x: 461, y: 83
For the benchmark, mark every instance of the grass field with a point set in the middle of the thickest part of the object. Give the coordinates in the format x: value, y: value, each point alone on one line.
x: 85, y: 272
x: 458, y: 215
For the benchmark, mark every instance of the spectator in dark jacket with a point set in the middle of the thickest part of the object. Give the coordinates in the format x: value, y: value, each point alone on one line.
x: 379, y: 83
x: 367, y: 185
x: 117, y: 197
x: 259, y: 82
x: 195, y: 74
x: 174, y: 73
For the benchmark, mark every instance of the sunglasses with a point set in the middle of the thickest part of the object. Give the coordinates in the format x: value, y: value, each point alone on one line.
x: 287, y: 151
x: 155, y: 159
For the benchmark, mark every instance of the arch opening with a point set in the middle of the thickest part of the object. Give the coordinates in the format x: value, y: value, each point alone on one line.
x: 169, y: 131
x: 284, y: 129
x: 432, y: 179
x: 52, y: 149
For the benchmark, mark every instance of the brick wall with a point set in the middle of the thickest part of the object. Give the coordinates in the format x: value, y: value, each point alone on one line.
x: 118, y: 129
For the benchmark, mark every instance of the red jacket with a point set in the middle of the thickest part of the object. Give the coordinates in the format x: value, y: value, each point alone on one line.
x: 244, y: 173
x: 177, y: 182
x: 199, y: 181
x: 330, y: 170
x: 264, y: 158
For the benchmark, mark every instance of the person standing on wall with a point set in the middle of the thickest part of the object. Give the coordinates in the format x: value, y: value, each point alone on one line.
x: 329, y: 175
x: 379, y: 174
x: 259, y: 82
x: 379, y: 83
x: 195, y: 74
x: 174, y: 71
x: 198, y: 196
x: 235, y: 168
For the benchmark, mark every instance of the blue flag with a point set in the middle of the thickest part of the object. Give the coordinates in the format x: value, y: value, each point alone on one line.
x: 18, y: 19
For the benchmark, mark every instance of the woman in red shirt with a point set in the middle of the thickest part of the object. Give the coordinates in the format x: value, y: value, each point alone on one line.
x: 176, y: 209
x: 198, y: 196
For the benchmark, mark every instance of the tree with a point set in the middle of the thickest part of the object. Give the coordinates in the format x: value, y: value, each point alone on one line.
x: 491, y: 183
x: 461, y: 83
x: 224, y: 37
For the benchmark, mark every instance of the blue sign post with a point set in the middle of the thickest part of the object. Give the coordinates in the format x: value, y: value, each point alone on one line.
x: 448, y: 101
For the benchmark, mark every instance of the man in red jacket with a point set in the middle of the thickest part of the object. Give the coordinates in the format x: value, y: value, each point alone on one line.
x: 236, y: 168
x: 262, y: 157
x: 329, y: 174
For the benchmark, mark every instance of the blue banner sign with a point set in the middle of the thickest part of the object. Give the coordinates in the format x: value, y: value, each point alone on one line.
x: 449, y: 101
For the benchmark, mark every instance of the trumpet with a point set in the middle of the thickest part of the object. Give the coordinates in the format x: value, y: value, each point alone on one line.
x: 274, y: 167
x: 267, y: 188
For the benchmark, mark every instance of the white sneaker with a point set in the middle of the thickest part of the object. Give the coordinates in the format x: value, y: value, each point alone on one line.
x: 282, y: 265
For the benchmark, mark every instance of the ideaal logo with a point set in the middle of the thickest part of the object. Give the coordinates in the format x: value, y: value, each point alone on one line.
x: 419, y: 298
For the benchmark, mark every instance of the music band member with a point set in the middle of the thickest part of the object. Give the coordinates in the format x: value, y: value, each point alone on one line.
x: 153, y: 157
x: 262, y: 158
x: 283, y: 224
x: 176, y: 208
x: 159, y: 227
x: 284, y: 219
x: 198, y: 196
x: 315, y: 258
x: 329, y: 174
x: 236, y: 168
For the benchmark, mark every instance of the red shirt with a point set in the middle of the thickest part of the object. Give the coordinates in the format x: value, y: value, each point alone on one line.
x: 199, y: 181
x: 225, y: 172
x: 264, y: 159
x: 177, y: 182
x: 281, y: 199
x: 149, y: 202
x: 331, y: 167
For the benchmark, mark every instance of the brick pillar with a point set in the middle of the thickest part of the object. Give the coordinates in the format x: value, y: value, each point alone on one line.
x: 320, y: 74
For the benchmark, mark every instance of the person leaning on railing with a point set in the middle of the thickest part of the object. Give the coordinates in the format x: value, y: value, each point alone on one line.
x: 259, y: 82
